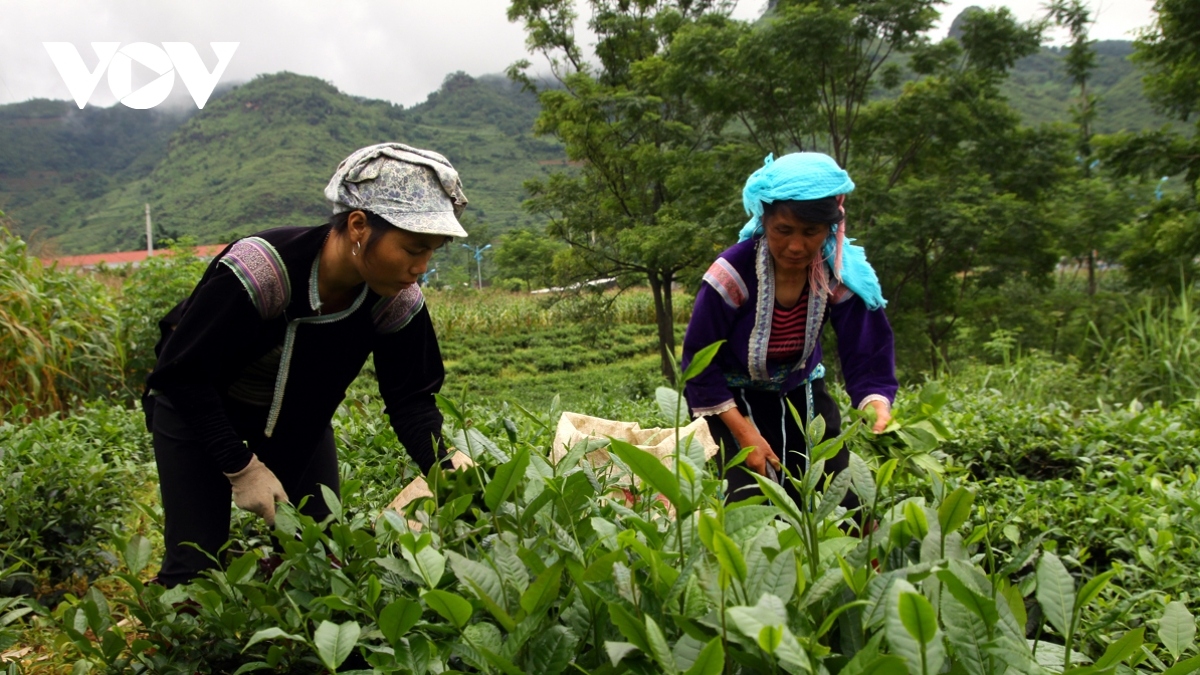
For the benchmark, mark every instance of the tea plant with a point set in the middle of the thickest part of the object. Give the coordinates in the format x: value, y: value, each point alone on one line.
x: 519, y: 565
x: 147, y: 294
x: 64, y: 483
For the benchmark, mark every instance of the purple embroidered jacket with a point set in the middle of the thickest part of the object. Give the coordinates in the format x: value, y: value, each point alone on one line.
x: 735, y: 303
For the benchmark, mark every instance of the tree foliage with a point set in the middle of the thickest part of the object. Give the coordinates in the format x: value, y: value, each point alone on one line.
x: 654, y: 169
x: 1161, y: 246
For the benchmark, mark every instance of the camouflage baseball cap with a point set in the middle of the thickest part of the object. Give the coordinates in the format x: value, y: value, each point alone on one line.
x: 415, y: 190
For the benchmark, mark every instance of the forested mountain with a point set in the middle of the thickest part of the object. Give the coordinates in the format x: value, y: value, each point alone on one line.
x: 1040, y: 90
x: 259, y: 154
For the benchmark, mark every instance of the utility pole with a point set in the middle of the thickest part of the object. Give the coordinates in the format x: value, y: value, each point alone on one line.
x: 149, y: 233
x: 478, y: 250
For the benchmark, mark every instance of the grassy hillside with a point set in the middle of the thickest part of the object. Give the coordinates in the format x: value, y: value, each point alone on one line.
x: 256, y: 157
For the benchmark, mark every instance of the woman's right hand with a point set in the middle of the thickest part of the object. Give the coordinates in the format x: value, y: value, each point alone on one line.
x: 747, y: 435
x: 761, y: 455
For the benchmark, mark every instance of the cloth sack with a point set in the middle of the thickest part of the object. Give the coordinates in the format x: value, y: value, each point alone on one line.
x: 574, y: 428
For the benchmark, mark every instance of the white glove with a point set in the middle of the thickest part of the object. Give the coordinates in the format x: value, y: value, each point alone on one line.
x: 256, y: 489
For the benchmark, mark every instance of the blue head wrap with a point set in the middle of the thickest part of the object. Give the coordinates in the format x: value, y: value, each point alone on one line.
x: 803, y: 176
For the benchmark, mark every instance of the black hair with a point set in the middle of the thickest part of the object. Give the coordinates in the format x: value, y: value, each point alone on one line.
x: 376, y: 223
x: 824, y: 210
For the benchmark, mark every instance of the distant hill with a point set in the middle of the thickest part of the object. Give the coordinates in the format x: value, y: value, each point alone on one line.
x: 1039, y: 89
x: 257, y: 156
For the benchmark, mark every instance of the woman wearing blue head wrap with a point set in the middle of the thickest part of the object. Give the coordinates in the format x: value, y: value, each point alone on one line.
x: 768, y: 297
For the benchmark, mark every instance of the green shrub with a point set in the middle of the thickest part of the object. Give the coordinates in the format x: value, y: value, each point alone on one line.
x: 65, y: 482
x: 1155, y: 354
x: 524, y: 566
x: 148, y: 293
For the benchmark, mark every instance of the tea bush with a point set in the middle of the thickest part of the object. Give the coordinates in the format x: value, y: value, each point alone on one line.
x: 65, y: 483
x: 147, y: 294
x: 523, y: 566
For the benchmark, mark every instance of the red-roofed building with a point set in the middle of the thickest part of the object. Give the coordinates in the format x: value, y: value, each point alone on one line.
x: 91, y: 260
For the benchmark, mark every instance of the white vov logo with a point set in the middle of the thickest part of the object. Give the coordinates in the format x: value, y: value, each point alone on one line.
x: 172, y: 57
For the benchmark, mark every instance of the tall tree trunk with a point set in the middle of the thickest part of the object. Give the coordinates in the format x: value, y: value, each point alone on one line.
x: 660, y: 286
x: 1091, y: 271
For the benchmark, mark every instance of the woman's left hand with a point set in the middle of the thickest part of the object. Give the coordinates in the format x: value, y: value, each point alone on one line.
x: 883, y: 415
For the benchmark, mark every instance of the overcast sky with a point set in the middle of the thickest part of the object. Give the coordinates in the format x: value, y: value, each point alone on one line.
x: 398, y: 50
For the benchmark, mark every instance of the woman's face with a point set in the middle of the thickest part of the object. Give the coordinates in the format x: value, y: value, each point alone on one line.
x: 793, y: 243
x: 397, y: 259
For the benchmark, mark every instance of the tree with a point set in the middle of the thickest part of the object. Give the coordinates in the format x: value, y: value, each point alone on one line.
x: 654, y: 171
x: 527, y: 256
x: 1094, y: 221
x: 801, y: 78
x: 1164, y: 242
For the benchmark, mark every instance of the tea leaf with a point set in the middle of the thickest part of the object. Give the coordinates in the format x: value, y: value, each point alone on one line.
x: 577, y: 453
x: 914, y: 515
x: 505, y: 480
x: 779, y: 497
x: 730, y: 557
x: 332, y: 501
x: 1122, y: 649
x: 544, y: 589
x: 271, y: 633
x: 453, y: 607
x: 966, y: 630
x: 815, y: 433
x: 1055, y: 592
x: 917, y: 616
x: 885, y: 665
x: 738, y: 458
x: 770, y: 611
x: 861, y: 480
x: 778, y: 579
x: 886, y: 471
x: 137, y: 554
x: 648, y: 467
x: 397, y: 618
x: 833, y: 496
x: 978, y: 605
x: 631, y: 628
x: 551, y: 651
x: 911, y: 629
x: 701, y: 360
x: 428, y: 563
x: 670, y: 405
x: 710, y: 661
x: 485, y: 584
x: 334, y: 642
x: 1184, y: 667
x: 658, y: 646
x: 242, y: 568
x: 508, y: 564
x: 618, y: 650
x: 1177, y: 628
x: 1091, y: 589
x: 955, y: 509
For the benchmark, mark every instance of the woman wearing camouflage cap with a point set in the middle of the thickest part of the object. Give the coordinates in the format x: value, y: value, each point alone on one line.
x: 252, y: 366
